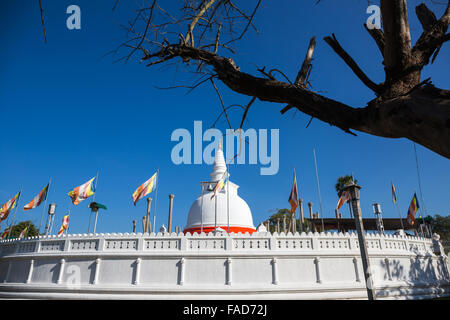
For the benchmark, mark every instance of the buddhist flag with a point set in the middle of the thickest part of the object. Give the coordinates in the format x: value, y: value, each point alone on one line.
x: 293, y: 197
x: 65, y: 225
x: 345, y: 196
x: 394, y: 197
x: 37, y: 200
x: 5, y: 233
x: 413, y: 207
x: 145, y: 188
x: 219, y: 186
x: 22, y: 234
x: 8, y: 206
x: 82, y: 192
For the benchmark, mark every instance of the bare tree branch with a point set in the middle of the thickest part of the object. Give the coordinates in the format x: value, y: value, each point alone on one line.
x: 42, y: 20
x: 306, y: 65
x: 378, y: 36
x: 333, y: 43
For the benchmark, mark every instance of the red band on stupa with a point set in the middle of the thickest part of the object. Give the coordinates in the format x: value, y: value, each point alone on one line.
x: 225, y: 228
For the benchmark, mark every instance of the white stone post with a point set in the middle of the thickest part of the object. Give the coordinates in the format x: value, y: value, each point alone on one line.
x: 229, y: 272
x: 274, y: 271
x: 101, y: 244
x: 228, y: 243
x: 182, y: 260
x: 97, y: 270
x: 316, y: 262
x: 138, y: 271
x: 8, y: 272
x: 62, y: 263
x: 272, y: 243
x: 183, y: 243
x: 66, y: 246
x: 30, y: 272
x: 355, y: 263
x: 140, y: 244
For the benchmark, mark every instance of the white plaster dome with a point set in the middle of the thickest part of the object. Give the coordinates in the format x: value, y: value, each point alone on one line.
x: 239, y: 218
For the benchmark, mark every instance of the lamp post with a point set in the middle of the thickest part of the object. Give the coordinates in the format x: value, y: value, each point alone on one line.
x: 353, y: 190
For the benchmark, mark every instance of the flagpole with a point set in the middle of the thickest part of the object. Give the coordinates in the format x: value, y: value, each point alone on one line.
x: 318, y: 188
x: 45, y: 204
x: 215, y: 214
x: 398, y: 208
x: 17, y: 207
x: 156, y: 199
x: 93, y: 199
x: 418, y: 178
x: 68, y: 223
x: 299, y: 206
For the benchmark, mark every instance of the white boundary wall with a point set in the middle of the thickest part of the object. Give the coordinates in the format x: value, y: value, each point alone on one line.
x: 221, y: 266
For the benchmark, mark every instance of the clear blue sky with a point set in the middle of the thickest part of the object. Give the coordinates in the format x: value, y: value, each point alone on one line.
x: 67, y: 110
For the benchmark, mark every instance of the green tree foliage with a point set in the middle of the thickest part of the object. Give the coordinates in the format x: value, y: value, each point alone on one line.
x: 341, y: 182
x: 273, y: 220
x: 17, y: 229
x: 441, y: 226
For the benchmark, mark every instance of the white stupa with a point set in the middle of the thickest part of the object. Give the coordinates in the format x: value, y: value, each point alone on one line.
x: 228, y: 212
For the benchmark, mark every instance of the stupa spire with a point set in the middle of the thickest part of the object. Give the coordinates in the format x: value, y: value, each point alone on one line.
x: 220, y: 166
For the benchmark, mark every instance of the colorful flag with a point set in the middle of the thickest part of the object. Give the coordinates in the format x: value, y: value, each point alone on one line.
x: 8, y: 206
x: 5, y: 233
x: 37, y: 200
x: 345, y: 196
x: 219, y: 186
x: 293, y: 197
x: 82, y: 192
x: 394, y: 197
x: 413, y: 207
x: 22, y: 234
x: 65, y: 225
x: 145, y: 188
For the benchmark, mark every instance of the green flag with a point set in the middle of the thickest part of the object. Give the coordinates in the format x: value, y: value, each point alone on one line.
x: 95, y: 206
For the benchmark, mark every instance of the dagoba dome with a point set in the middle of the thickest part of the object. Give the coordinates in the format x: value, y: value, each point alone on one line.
x: 207, y: 212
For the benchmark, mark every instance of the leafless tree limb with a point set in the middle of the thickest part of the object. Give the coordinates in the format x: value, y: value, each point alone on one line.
x: 404, y: 105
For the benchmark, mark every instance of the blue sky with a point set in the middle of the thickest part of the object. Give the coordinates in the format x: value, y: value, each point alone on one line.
x: 68, y: 110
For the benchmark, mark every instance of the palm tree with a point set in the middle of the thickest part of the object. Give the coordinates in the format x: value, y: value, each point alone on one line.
x: 342, y: 181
